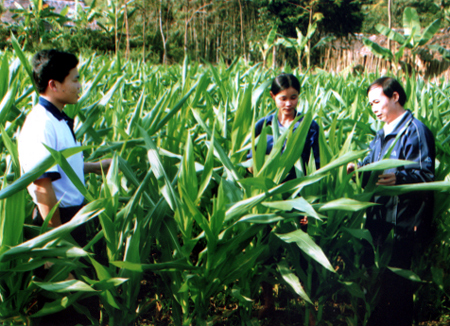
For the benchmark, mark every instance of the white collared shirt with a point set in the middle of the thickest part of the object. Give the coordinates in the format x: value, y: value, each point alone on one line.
x: 42, y: 127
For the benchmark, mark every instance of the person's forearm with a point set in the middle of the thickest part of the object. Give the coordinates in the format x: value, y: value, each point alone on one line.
x: 46, y: 200
x: 97, y: 167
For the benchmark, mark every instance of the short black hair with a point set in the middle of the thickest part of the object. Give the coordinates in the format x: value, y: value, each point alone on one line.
x: 51, y: 64
x: 284, y: 81
x: 389, y: 86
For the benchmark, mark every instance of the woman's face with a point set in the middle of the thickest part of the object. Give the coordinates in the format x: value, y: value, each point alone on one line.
x: 286, y: 101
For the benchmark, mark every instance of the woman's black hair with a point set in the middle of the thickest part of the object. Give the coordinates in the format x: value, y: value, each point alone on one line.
x: 389, y: 86
x: 284, y: 81
x: 51, y: 64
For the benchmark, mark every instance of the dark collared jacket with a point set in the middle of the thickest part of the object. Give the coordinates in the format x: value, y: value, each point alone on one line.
x: 413, y: 211
x: 311, y: 142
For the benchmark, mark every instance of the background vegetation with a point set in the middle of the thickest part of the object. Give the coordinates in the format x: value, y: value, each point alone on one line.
x: 166, y: 31
x: 185, y: 233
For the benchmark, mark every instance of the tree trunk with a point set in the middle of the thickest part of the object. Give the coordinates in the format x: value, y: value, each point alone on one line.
x: 127, y: 30
x: 162, y: 33
x: 389, y: 21
x: 144, y: 19
x: 308, y: 58
x: 274, y: 57
x: 116, y: 37
x: 242, y: 31
x: 186, y: 21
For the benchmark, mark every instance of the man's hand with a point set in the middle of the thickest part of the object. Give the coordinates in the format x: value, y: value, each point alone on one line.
x: 350, y: 168
x: 97, y: 167
x: 388, y: 179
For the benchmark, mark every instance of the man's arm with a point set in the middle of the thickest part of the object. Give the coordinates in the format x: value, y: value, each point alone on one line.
x: 97, y: 167
x: 46, y: 200
x: 419, y: 147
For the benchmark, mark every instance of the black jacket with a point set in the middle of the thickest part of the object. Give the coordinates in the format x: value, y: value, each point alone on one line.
x: 413, y: 211
x: 311, y: 142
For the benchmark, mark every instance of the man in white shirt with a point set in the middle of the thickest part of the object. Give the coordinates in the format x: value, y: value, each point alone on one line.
x: 56, y: 76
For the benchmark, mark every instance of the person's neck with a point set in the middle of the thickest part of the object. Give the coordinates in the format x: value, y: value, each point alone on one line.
x: 52, y: 100
x: 286, y: 120
x: 398, y: 113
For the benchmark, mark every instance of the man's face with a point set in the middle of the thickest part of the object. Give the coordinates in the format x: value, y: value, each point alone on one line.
x: 383, y: 106
x: 69, y: 89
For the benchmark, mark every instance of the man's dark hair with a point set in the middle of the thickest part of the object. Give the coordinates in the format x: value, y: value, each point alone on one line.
x: 389, y: 86
x: 284, y: 81
x: 51, y: 64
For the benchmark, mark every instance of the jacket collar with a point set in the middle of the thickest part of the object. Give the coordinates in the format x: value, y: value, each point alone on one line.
x: 405, y: 120
x: 273, y: 117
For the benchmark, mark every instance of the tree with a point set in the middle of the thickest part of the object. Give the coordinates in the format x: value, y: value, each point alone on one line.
x: 413, y: 38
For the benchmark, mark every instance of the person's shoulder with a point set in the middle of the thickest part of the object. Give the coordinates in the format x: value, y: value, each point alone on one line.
x: 38, y: 121
x: 420, y: 126
x: 39, y: 113
x: 314, y: 125
x: 260, y: 123
x: 267, y: 118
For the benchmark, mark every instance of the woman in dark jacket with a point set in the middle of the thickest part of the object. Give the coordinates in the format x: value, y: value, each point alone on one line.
x: 285, y: 91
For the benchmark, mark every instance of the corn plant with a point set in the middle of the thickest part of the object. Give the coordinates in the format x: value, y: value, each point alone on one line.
x: 178, y: 206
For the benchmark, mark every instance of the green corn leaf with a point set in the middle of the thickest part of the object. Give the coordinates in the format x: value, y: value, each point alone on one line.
x: 167, y: 266
x: 23, y: 60
x: 108, y: 284
x: 65, y: 286
x: 438, y: 186
x: 354, y: 289
x: 260, y: 218
x: 58, y: 305
x: 384, y: 165
x: 40, y: 168
x: 345, y: 204
x: 360, y: 234
x: 308, y: 246
x: 12, y: 149
x: 7, y: 103
x: 207, y: 170
x: 85, y: 214
x: 159, y: 172
x: 410, y: 275
x: 299, y: 204
x: 107, y: 97
x: 174, y: 110
x: 68, y: 170
x: 289, y: 276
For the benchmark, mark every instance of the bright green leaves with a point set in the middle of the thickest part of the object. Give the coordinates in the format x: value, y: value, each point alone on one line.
x: 308, y: 246
x: 289, y: 276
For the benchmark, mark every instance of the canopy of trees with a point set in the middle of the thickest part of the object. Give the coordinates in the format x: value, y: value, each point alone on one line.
x: 166, y: 30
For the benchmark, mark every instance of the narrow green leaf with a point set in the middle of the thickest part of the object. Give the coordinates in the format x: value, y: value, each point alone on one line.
x: 308, y: 246
x: 292, y: 279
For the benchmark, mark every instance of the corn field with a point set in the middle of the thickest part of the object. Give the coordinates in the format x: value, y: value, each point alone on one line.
x: 179, y: 213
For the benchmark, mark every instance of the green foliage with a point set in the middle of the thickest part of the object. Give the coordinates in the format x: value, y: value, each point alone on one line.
x: 412, y: 39
x: 178, y: 206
